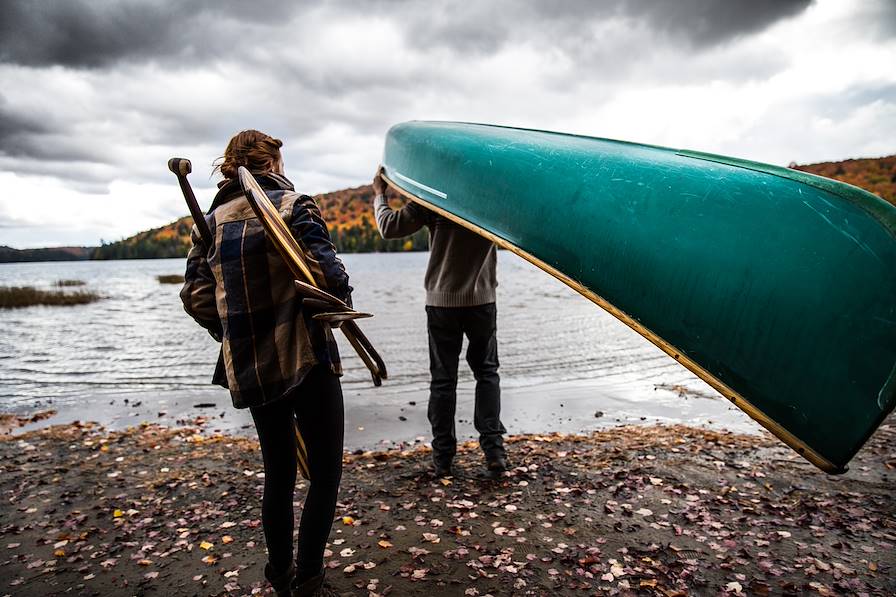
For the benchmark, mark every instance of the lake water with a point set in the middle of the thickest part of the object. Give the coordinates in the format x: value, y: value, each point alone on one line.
x: 136, y: 356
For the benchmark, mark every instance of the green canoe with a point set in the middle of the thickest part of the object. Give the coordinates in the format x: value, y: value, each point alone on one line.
x: 775, y: 286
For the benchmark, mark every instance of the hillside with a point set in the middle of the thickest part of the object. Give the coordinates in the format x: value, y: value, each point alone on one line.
x: 172, y: 240
x: 347, y: 213
x: 349, y: 217
x: 877, y: 175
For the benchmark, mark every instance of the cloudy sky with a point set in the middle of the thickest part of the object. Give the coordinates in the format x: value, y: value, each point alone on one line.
x: 95, y: 96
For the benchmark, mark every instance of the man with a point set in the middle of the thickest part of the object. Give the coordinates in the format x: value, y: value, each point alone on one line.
x: 460, y: 287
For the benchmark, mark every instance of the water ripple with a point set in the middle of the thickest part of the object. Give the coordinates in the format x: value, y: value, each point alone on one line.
x: 138, y: 341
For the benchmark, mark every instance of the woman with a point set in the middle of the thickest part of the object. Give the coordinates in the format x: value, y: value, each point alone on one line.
x: 278, y: 362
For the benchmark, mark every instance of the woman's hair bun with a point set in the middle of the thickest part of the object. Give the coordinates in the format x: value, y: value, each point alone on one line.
x: 256, y: 151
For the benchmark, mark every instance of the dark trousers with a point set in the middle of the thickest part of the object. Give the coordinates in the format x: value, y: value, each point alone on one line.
x: 447, y: 327
x: 317, y: 405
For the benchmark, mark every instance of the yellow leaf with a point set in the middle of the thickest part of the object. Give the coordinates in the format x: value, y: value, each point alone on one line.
x: 206, y: 545
x: 209, y: 560
x: 445, y: 482
x: 348, y: 520
x: 384, y: 544
x: 226, y: 539
x: 118, y: 514
x: 59, y: 553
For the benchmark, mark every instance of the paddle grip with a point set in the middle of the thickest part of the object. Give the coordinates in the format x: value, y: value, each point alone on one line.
x: 181, y: 167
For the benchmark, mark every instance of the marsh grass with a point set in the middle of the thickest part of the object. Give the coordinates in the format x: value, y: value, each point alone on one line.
x: 13, y: 297
x: 170, y: 279
x: 63, y: 283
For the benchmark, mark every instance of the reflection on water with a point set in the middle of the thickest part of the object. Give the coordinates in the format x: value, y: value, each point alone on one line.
x: 139, y: 344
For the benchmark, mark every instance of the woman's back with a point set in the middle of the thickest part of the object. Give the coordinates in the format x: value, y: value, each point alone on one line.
x: 268, y: 342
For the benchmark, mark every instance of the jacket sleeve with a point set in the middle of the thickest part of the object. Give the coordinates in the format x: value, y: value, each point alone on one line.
x: 396, y: 223
x: 198, y: 293
x: 309, y: 229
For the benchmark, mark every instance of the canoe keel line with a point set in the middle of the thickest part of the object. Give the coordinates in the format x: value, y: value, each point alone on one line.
x: 416, y: 153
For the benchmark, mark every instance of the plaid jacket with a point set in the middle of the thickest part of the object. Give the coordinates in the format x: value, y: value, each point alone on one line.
x: 242, y: 292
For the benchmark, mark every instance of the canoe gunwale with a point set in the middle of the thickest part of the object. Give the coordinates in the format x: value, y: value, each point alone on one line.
x: 738, y: 400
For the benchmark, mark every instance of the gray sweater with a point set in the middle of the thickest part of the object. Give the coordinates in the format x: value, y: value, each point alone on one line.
x: 461, y: 269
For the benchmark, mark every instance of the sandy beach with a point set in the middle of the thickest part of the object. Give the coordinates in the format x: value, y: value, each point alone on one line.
x: 630, y: 510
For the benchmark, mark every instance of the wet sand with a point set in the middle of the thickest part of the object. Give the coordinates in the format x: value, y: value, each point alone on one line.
x: 384, y: 417
x: 643, y: 510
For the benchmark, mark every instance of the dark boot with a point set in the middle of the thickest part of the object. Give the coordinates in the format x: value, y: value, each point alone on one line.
x: 440, y: 470
x: 281, y: 582
x: 314, y: 587
x: 496, y: 465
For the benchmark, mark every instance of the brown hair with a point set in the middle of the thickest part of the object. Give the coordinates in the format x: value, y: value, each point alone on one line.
x: 258, y: 152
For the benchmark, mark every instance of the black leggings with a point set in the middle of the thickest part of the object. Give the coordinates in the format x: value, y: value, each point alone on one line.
x: 317, y: 404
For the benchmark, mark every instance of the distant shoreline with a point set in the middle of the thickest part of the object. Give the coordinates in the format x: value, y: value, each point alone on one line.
x: 5, y: 258
x: 11, y: 255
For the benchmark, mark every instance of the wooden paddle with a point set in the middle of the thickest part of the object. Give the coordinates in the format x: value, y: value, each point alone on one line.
x: 294, y: 257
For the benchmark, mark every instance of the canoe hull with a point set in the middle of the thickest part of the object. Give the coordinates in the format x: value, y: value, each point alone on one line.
x: 774, y: 286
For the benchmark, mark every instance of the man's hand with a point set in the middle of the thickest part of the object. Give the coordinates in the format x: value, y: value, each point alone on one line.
x: 379, y: 185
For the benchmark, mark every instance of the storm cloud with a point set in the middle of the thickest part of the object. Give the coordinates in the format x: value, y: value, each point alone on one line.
x: 86, y: 33
x: 97, y: 95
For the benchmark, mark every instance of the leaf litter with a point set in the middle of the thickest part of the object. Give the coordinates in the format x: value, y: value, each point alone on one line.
x: 646, y: 510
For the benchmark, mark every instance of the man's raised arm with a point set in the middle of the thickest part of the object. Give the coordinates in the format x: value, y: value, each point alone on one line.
x: 396, y: 223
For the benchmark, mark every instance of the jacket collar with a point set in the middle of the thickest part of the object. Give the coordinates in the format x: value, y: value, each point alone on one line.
x: 230, y: 189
